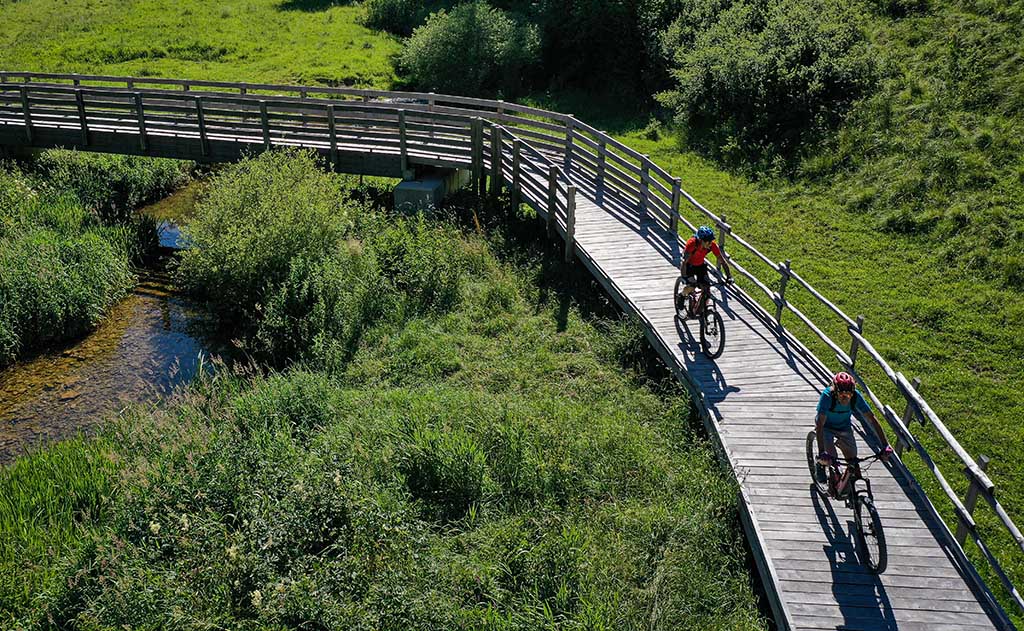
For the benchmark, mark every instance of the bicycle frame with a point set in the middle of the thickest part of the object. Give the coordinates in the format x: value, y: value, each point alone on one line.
x: 701, y: 300
x: 842, y: 484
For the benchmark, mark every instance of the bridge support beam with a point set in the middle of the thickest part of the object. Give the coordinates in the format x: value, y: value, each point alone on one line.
x: 427, y: 189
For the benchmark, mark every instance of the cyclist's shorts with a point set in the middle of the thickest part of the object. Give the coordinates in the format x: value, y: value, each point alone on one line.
x: 701, y: 272
x: 844, y: 438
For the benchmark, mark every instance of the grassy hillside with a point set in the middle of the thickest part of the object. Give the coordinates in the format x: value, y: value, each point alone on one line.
x: 303, y: 41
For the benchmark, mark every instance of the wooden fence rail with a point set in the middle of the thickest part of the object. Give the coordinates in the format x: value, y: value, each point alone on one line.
x: 543, y: 157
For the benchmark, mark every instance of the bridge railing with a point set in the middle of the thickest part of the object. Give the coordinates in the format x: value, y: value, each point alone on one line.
x: 542, y: 156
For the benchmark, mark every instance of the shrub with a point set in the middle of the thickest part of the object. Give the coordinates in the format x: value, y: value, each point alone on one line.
x: 257, y: 217
x: 425, y: 263
x: 764, y: 78
x: 323, y: 307
x: 474, y: 49
x: 112, y: 186
x: 54, y: 287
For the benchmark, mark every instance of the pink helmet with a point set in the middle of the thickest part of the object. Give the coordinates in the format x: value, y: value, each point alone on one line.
x: 843, y: 382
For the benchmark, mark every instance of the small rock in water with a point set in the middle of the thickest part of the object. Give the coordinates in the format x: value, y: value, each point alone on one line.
x: 69, y: 395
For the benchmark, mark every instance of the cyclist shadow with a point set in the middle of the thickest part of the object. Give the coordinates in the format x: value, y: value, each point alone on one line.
x: 706, y: 371
x: 860, y: 595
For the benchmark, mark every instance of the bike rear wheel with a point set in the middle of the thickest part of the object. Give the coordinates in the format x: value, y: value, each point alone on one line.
x: 870, y: 537
x: 712, y: 333
x: 812, y: 461
x: 678, y: 299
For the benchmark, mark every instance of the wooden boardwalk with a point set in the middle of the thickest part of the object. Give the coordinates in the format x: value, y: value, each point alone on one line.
x: 758, y: 398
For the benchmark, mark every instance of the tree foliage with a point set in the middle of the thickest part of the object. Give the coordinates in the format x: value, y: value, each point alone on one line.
x: 758, y: 78
x: 473, y: 49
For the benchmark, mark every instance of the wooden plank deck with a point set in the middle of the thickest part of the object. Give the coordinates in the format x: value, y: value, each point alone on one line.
x: 760, y: 396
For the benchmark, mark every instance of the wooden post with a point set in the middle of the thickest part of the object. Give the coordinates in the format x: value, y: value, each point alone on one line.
x: 855, y: 345
x: 265, y: 120
x: 971, y: 500
x: 496, y: 175
x: 83, y: 122
x: 201, y: 118
x: 332, y: 130
x: 77, y: 82
x: 430, y: 107
x: 677, y: 195
x: 130, y: 84
x: 517, y: 177
x: 28, y: 114
x: 142, y: 121
x: 645, y: 165
x: 570, y: 222
x: 908, y: 415
x: 567, y: 161
x: 242, y: 90
x: 552, y: 200
x: 721, y: 243
x: 402, y: 148
x: 784, y: 271
x: 185, y: 87
x: 602, y: 157
x: 478, y: 155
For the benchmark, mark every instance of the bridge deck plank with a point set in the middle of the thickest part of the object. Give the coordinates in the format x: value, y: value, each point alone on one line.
x: 763, y: 393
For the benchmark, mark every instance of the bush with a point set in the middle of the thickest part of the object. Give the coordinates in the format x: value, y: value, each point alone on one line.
x: 400, y: 17
x: 323, y: 307
x: 764, y: 78
x: 425, y: 263
x: 257, y: 217
x: 112, y: 186
x: 54, y: 287
x: 474, y: 49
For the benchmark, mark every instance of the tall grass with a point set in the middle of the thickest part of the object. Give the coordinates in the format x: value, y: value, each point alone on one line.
x: 49, y: 502
x: 481, y: 462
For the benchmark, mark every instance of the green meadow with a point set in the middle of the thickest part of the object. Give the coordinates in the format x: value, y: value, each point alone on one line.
x: 467, y: 435
x: 902, y: 205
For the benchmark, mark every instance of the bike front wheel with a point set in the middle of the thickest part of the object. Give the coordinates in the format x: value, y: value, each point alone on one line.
x: 812, y: 461
x: 712, y: 334
x: 870, y: 537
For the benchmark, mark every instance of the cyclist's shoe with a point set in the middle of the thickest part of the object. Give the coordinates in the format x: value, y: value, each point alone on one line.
x: 819, y: 474
x: 680, y: 302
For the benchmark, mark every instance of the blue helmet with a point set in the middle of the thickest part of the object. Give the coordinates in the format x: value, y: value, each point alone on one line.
x: 705, y: 234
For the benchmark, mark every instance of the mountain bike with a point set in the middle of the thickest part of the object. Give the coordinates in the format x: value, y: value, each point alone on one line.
x: 700, y: 305
x: 842, y: 484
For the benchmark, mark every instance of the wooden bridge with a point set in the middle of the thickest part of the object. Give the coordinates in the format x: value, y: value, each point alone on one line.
x: 620, y: 215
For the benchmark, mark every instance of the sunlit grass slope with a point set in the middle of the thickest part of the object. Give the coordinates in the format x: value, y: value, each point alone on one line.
x: 295, y: 41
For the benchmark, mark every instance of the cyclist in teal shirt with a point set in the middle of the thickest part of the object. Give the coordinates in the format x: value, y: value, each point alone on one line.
x: 834, y: 425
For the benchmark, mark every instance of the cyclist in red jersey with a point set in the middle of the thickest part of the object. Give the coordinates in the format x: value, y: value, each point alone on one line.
x: 693, y: 267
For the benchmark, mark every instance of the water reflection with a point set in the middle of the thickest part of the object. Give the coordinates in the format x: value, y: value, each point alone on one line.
x: 148, y: 344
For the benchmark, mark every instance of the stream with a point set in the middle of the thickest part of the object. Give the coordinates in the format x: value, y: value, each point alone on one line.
x: 148, y: 344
